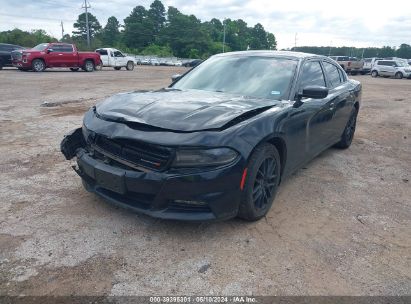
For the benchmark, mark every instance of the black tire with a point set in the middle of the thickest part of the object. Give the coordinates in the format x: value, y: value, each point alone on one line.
x: 38, y: 65
x: 349, y: 130
x: 74, y: 69
x: 117, y: 68
x: 399, y: 75
x: 88, y: 66
x: 130, y: 66
x: 374, y: 74
x: 261, y: 183
x: 353, y: 73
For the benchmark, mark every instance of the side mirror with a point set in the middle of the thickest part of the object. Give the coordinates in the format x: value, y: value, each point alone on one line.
x: 175, y: 77
x: 50, y: 51
x: 313, y: 91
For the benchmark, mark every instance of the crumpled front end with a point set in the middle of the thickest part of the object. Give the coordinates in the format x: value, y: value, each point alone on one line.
x: 138, y: 175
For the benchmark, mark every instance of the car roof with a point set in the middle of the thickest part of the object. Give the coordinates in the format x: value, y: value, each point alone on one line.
x: 285, y: 54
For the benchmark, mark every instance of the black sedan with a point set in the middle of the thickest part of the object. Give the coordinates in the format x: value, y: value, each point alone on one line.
x: 218, y: 141
x: 5, y: 53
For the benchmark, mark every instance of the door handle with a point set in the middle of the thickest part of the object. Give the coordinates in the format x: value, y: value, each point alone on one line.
x: 60, y: 54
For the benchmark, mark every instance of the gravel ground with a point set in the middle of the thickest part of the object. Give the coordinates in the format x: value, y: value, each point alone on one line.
x: 339, y: 226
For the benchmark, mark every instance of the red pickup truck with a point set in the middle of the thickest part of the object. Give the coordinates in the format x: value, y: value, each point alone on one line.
x: 55, y: 55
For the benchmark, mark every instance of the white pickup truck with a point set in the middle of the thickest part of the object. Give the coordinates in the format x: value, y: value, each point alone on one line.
x: 116, y: 59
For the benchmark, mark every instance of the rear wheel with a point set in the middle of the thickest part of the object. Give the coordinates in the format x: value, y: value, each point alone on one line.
x: 261, y: 183
x: 374, y: 74
x: 88, y: 66
x: 348, y: 134
x: 130, y: 66
x: 399, y: 75
x: 38, y: 65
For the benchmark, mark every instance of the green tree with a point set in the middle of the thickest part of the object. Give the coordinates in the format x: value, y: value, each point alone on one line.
x: 138, y: 29
x: 110, y: 34
x: 25, y: 38
x: 404, y: 51
x: 185, y: 34
x: 157, y: 14
x: 80, y: 31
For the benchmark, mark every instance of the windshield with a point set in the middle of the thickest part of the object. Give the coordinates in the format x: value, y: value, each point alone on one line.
x: 261, y: 77
x: 40, y: 47
x: 399, y: 64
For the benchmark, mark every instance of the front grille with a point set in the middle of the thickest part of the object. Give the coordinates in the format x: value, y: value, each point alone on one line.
x: 137, y: 153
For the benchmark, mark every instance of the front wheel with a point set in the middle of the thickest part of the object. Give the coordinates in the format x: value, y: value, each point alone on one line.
x: 130, y: 66
x: 260, y: 188
x: 38, y: 65
x: 399, y: 75
x: 88, y: 66
x: 348, y: 134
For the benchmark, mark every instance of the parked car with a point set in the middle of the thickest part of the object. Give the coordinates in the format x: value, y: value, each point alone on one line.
x: 217, y: 142
x: 369, y: 63
x: 5, y: 54
x: 154, y: 61
x: 114, y: 58
x: 55, y: 55
x: 145, y: 61
x: 192, y: 63
x: 351, y: 65
x: 391, y: 68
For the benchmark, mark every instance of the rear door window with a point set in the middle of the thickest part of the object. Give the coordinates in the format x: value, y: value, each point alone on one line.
x: 102, y: 52
x: 332, y: 74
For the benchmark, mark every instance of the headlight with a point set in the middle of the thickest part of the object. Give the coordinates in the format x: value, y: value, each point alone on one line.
x: 203, y: 158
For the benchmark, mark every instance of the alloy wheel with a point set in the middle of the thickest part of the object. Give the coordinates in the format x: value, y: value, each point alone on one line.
x: 265, y: 183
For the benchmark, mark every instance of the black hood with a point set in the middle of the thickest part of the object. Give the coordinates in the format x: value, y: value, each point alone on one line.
x: 176, y: 110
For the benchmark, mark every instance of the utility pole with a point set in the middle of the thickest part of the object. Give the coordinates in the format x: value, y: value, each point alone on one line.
x: 62, y: 30
x: 87, y: 6
x: 224, y: 36
x: 295, y: 41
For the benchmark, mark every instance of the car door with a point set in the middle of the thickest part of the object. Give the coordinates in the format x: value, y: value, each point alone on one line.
x: 53, y: 54
x: 384, y: 68
x: 120, y: 58
x: 308, y: 126
x: 68, y: 57
x: 341, y: 95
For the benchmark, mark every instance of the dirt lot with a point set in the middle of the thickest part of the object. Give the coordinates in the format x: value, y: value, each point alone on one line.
x: 340, y: 226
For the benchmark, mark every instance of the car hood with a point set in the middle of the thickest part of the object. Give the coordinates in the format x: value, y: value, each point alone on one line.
x: 185, y: 111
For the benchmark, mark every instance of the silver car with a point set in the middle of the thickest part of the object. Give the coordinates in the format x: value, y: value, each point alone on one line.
x: 391, y: 68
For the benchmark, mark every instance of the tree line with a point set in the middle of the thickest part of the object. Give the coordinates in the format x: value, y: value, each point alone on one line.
x: 157, y: 31
x: 403, y: 51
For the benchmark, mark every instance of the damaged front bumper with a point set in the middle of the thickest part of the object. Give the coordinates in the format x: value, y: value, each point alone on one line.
x: 195, y: 195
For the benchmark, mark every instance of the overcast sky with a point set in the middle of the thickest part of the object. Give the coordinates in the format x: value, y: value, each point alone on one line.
x: 317, y: 22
